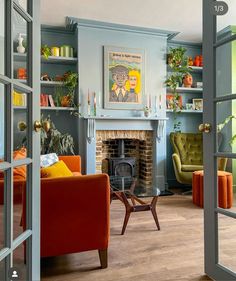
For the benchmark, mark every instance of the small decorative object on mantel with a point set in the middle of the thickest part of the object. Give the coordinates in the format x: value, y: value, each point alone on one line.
x: 147, y: 111
x: 20, y: 48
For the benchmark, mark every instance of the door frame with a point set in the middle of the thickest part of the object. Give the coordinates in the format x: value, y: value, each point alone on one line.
x: 32, y: 234
x: 210, y: 153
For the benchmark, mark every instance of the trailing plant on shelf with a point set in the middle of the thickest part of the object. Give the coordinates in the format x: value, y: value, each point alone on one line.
x: 70, y: 81
x: 45, y: 51
x: 178, y: 63
x: 52, y: 140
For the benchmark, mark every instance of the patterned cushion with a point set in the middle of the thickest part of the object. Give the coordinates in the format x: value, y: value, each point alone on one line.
x: 47, y: 160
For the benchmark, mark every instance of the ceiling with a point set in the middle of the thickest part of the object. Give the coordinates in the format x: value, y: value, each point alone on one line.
x: 184, y: 16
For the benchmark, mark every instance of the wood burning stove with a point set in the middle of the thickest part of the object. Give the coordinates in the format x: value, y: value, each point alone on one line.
x: 121, y: 166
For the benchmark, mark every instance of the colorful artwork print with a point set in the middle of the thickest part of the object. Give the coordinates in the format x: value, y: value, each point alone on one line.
x: 123, y: 79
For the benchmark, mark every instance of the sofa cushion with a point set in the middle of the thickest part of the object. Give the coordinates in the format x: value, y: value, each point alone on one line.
x: 20, y: 171
x: 57, y: 170
x: 191, y: 168
x: 47, y: 160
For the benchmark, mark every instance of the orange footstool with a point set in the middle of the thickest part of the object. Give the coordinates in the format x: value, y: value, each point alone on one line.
x: 225, y: 189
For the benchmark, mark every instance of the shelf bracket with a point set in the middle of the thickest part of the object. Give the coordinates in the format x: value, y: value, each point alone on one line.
x: 90, y: 130
x: 160, y: 130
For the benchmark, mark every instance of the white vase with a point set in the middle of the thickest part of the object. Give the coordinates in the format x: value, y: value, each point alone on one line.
x: 20, y: 48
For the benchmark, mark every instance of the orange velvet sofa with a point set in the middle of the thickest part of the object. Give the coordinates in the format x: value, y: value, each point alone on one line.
x: 75, y: 213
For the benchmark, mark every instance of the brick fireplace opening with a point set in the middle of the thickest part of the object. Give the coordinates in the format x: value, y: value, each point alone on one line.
x: 138, y: 144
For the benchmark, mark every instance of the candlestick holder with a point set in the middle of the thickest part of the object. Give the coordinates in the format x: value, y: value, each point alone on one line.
x: 89, y: 109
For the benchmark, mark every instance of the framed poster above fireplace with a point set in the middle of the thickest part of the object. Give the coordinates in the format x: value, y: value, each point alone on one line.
x: 124, y: 78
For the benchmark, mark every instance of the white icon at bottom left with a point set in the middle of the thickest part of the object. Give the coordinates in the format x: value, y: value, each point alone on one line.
x: 14, y: 274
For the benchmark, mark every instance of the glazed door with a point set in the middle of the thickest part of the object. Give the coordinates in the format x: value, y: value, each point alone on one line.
x: 219, y: 82
x: 19, y: 143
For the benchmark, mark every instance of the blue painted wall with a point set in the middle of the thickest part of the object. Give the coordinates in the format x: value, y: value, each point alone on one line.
x: 91, y: 41
x: 189, y: 121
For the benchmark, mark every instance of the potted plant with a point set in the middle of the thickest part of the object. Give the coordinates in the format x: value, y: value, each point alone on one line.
x: 45, y: 51
x: 178, y: 63
x: 70, y: 81
x: 147, y: 110
x: 52, y: 140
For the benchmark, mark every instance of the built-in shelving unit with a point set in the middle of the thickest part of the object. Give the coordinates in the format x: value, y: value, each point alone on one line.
x: 57, y: 108
x: 184, y: 120
x: 50, y: 59
x: 60, y: 60
x: 186, y: 90
x: 184, y: 111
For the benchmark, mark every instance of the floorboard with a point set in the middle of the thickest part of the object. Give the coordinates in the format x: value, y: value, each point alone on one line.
x: 143, y: 253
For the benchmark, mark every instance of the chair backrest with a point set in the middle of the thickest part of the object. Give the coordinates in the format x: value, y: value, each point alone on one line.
x: 189, y: 147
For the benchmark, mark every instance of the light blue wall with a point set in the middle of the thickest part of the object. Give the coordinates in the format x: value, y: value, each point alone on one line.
x: 91, y: 40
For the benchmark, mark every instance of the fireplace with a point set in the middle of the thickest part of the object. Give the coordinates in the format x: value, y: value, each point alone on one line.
x: 126, y: 153
x: 121, y: 166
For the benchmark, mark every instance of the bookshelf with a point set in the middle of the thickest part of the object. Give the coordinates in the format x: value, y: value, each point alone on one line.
x: 64, y: 118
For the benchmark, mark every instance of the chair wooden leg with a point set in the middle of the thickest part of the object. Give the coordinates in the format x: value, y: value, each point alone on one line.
x: 103, y: 258
x: 126, y: 219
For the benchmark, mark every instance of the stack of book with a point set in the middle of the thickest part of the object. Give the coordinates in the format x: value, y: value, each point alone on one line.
x: 46, y: 100
x: 19, y: 99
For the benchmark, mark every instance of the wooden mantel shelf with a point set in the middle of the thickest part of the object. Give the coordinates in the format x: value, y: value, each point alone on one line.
x: 106, y: 117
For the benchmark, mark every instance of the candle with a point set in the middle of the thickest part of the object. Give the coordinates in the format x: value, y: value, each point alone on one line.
x: 94, y: 104
x: 94, y: 98
x: 160, y: 101
x: 88, y: 98
x: 89, y: 110
x: 150, y: 101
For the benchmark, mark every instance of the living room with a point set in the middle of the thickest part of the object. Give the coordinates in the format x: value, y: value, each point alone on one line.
x: 117, y: 140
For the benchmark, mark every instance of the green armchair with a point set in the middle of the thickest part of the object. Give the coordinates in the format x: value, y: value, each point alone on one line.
x: 188, y: 156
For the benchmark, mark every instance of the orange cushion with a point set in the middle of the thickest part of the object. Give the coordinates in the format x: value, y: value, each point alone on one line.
x: 19, y: 173
x: 57, y: 170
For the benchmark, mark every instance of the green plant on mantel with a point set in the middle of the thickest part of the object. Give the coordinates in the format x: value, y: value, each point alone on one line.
x: 52, y: 140
x: 178, y: 63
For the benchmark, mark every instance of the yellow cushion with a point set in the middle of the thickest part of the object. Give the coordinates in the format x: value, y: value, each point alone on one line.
x: 57, y: 170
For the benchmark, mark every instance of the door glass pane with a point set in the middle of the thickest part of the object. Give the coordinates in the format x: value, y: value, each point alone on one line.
x: 2, y: 120
x: 227, y: 20
x: 20, y: 128
x: 2, y: 270
x: 2, y: 36
x: 226, y: 126
x: 227, y: 242
x: 226, y: 69
x: 226, y: 179
x: 20, y: 59
x: 2, y: 243
x: 22, y: 3
x: 19, y: 263
x: 19, y: 200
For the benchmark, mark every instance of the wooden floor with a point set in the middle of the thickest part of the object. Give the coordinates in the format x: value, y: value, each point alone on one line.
x: 143, y: 253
